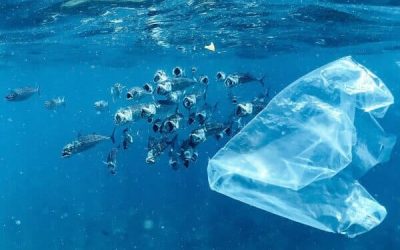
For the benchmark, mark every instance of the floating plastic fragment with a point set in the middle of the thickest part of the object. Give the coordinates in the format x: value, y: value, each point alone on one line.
x: 300, y: 158
x: 210, y: 47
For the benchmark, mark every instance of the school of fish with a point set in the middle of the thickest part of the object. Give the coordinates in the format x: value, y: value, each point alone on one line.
x: 169, y: 104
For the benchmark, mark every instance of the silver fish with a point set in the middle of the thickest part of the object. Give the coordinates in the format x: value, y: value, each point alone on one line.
x: 137, y: 93
x: 237, y: 79
x: 174, y: 84
x: 116, y: 91
x: 85, y: 142
x: 160, y: 76
x: 21, y: 94
x: 187, y: 153
x: 55, y: 103
x: 100, y: 106
x: 134, y: 113
x: 157, y: 146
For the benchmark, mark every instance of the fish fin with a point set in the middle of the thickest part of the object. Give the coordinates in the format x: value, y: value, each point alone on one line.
x: 112, y: 136
x: 261, y: 80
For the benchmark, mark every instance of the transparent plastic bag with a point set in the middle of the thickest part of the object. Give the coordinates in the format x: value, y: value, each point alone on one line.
x: 300, y: 158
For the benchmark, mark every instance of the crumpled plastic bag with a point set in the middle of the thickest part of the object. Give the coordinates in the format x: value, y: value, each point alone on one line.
x: 301, y: 156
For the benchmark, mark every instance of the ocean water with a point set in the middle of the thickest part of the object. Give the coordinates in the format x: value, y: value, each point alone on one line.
x: 78, y: 49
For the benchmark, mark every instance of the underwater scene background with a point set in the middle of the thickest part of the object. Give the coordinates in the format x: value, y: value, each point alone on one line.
x: 78, y: 49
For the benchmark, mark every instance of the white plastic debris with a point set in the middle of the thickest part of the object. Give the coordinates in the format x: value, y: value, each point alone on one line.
x: 301, y: 157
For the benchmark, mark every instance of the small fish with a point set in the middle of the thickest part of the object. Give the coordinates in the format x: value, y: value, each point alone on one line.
x: 171, y: 123
x: 137, y: 93
x: 201, y: 134
x: 100, y: 106
x: 21, y: 94
x: 111, y: 161
x: 135, y: 112
x: 55, y: 103
x: 174, y: 84
x: 187, y: 153
x: 244, y: 109
x: 190, y: 100
x: 237, y: 79
x: 127, y: 138
x: 83, y: 143
x: 160, y: 76
x: 116, y: 91
x: 204, y: 79
x: 157, y: 146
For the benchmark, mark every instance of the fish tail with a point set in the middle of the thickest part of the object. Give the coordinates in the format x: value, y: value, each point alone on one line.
x: 112, y: 137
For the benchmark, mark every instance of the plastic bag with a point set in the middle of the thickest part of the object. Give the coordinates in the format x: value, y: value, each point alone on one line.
x: 300, y: 158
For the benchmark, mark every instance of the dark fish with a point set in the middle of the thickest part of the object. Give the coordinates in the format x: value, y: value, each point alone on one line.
x: 85, y: 142
x: 237, y: 79
x: 21, y: 94
x: 127, y: 138
x: 111, y: 161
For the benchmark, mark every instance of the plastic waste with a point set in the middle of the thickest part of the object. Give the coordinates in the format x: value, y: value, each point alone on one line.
x: 301, y: 157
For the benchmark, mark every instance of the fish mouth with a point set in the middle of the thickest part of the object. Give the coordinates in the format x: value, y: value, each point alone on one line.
x: 65, y: 154
x: 220, y: 76
x: 177, y: 72
x: 159, y: 76
x: 129, y: 95
x: 188, y: 102
x: 204, y: 80
x: 173, y: 164
x: 201, y: 118
x: 148, y: 88
x: 170, y: 126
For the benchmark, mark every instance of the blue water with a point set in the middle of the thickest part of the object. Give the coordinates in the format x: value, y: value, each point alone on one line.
x: 78, y: 50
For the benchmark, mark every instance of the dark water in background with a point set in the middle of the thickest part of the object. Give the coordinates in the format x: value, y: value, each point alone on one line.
x: 79, y: 51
